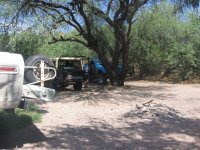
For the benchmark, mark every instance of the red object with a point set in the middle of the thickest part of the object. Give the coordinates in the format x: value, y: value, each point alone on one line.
x: 8, y: 69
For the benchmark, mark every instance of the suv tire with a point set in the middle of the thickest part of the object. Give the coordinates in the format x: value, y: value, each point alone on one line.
x: 101, y: 79
x: 33, y: 75
x: 77, y: 86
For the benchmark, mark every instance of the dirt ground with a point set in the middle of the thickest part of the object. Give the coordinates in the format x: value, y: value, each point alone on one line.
x: 139, y: 116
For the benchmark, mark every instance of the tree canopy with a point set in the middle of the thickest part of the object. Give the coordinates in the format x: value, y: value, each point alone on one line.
x: 90, y: 19
x: 163, y: 41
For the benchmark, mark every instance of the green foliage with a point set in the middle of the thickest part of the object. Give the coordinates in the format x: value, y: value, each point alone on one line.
x: 193, y: 36
x: 162, y: 39
x: 32, y: 111
x: 8, y: 9
x: 4, y: 42
x: 26, y: 43
x: 63, y: 49
x: 30, y: 43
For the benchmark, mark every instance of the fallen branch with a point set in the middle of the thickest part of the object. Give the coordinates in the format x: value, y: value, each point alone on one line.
x: 147, y: 102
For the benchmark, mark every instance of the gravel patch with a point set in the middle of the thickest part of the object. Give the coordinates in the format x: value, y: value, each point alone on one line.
x: 116, y: 118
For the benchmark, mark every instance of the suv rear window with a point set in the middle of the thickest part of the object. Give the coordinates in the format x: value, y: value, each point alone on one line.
x: 69, y: 63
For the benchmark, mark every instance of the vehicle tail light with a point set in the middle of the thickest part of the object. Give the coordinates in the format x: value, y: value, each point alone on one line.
x: 9, y: 69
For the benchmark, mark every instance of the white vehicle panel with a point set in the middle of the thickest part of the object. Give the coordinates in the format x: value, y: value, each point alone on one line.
x: 11, y: 79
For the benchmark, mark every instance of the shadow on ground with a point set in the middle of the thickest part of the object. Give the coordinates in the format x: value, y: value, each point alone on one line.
x: 128, y: 132
x: 16, y: 139
x: 16, y: 130
x: 161, y: 133
x: 95, y: 94
x: 168, y: 133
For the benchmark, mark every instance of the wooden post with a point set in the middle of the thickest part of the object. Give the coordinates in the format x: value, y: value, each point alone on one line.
x: 42, y: 73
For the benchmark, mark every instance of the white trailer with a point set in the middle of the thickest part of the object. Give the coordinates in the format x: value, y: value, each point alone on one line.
x: 12, y: 87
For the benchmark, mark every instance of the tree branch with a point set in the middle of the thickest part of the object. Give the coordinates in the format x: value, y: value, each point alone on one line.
x: 71, y: 39
x: 109, y: 7
x: 54, y: 8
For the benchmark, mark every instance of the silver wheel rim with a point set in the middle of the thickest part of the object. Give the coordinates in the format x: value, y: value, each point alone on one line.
x: 37, y: 71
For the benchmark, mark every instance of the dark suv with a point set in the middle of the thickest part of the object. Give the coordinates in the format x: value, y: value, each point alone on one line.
x: 69, y: 72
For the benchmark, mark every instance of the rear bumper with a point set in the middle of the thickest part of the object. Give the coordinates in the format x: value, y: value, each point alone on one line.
x: 69, y: 81
x: 74, y: 80
x: 11, y: 88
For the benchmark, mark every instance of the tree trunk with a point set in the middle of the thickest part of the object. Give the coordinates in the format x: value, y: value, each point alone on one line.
x: 117, y: 78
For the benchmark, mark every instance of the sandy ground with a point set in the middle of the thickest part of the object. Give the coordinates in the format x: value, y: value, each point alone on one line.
x: 106, y: 118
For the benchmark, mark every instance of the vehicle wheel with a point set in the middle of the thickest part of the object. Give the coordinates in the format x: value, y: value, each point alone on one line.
x: 23, y: 104
x: 55, y: 85
x: 101, y: 79
x: 77, y: 86
x: 58, y: 82
x: 33, y: 75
